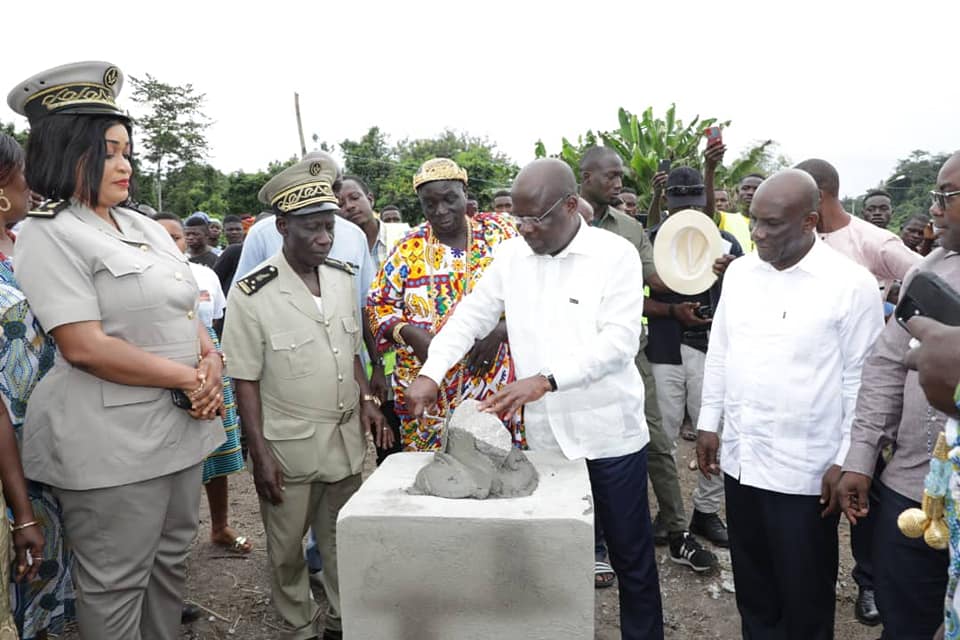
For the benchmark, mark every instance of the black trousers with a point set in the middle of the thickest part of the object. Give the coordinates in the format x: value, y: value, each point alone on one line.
x: 861, y: 539
x: 620, y: 499
x: 911, y: 581
x: 785, y: 560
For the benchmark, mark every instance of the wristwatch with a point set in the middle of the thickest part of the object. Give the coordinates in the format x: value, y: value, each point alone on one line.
x: 369, y: 397
x: 549, y: 376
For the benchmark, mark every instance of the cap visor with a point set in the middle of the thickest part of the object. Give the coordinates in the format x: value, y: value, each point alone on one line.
x: 684, y: 202
x: 319, y: 207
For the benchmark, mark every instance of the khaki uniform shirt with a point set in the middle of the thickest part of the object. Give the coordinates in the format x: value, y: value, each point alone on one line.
x: 304, y: 362
x: 83, y: 432
x: 616, y: 221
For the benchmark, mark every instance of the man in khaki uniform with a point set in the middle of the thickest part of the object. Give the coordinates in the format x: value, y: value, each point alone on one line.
x: 292, y: 334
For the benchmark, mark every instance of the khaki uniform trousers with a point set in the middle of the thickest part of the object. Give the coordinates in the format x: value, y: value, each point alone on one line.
x: 310, y: 500
x: 130, y: 546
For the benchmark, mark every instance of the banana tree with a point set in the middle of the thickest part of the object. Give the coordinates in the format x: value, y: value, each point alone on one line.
x: 643, y: 141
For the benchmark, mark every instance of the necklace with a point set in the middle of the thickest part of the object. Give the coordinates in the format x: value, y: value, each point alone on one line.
x: 433, y: 244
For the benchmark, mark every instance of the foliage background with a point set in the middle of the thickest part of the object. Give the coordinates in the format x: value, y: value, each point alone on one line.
x: 171, y: 159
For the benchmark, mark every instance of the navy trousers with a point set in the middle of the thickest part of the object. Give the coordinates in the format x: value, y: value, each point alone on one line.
x: 623, y: 511
x: 861, y: 539
x: 911, y: 581
x: 785, y: 559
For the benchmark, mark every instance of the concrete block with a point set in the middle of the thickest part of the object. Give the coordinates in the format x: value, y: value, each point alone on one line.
x: 416, y: 567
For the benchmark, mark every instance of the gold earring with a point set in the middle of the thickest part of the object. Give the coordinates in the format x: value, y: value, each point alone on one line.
x: 5, y: 204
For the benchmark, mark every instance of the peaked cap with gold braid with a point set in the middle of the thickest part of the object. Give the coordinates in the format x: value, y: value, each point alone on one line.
x: 304, y: 188
x: 78, y: 88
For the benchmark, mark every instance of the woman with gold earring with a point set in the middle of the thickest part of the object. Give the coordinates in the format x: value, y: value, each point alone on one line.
x: 42, y: 591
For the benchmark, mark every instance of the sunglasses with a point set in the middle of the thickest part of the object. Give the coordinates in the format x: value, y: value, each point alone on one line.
x: 686, y: 190
x: 940, y: 198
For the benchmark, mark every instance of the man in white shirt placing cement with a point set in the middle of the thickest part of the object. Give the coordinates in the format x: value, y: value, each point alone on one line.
x: 789, y: 339
x: 574, y: 312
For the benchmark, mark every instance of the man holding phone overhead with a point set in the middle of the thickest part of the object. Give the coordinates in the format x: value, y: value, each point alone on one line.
x: 678, y: 347
x: 892, y: 410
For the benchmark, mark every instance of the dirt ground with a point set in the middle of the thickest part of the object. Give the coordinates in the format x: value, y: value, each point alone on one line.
x: 235, y: 590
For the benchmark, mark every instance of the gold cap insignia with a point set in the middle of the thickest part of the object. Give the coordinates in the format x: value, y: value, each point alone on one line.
x: 110, y: 76
x: 316, y: 168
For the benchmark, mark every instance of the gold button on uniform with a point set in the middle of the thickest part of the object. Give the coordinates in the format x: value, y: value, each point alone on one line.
x: 191, y: 315
x: 178, y: 276
x: 144, y: 247
x: 341, y: 405
x: 336, y: 351
x: 340, y: 377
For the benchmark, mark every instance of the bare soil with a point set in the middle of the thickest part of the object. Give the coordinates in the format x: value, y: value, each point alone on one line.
x: 235, y: 589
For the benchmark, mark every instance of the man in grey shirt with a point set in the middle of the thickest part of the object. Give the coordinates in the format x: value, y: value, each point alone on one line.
x: 892, y: 410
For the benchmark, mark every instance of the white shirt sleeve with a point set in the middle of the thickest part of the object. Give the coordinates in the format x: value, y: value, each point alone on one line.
x: 473, y: 318
x: 619, y: 324
x: 216, y: 294
x: 859, y: 330
x: 714, y: 370
x: 255, y: 249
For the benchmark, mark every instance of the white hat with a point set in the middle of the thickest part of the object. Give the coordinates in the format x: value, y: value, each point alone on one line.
x: 687, y: 245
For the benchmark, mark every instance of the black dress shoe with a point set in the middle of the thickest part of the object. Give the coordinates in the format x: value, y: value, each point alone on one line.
x: 711, y: 527
x: 332, y: 634
x: 190, y: 613
x: 865, y: 608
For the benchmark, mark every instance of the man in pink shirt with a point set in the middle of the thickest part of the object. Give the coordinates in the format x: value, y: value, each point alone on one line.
x: 880, y: 251
x: 885, y: 256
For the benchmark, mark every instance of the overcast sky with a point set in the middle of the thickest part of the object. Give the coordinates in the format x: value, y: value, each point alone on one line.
x: 860, y: 84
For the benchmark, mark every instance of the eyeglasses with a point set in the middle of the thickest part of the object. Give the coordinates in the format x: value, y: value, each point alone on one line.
x: 536, y: 220
x: 940, y: 198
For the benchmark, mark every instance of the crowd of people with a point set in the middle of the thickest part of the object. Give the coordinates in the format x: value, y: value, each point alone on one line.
x: 140, y: 359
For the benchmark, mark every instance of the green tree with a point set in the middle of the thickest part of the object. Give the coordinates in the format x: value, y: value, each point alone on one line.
x: 909, y: 186
x: 370, y: 157
x: 242, y: 188
x: 172, y: 130
x: 389, y: 170
x: 11, y: 130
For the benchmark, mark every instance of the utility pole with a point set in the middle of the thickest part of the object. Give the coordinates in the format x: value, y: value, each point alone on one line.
x: 296, y: 106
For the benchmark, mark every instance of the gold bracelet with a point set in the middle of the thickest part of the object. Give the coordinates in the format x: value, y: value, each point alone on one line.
x: 369, y: 397
x: 25, y: 525
x: 220, y: 354
x: 397, y: 338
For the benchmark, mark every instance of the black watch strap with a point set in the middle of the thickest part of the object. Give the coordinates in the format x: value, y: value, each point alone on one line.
x: 551, y: 380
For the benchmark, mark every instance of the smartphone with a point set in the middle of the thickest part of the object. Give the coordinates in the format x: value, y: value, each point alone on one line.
x: 181, y: 400
x: 664, y: 166
x: 714, y: 136
x: 928, y: 295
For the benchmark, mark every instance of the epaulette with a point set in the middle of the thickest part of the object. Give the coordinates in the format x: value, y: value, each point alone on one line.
x: 49, y: 209
x: 255, y: 281
x: 349, y: 267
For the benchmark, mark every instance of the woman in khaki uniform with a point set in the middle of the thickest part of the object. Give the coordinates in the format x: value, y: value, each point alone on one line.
x: 103, y: 428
